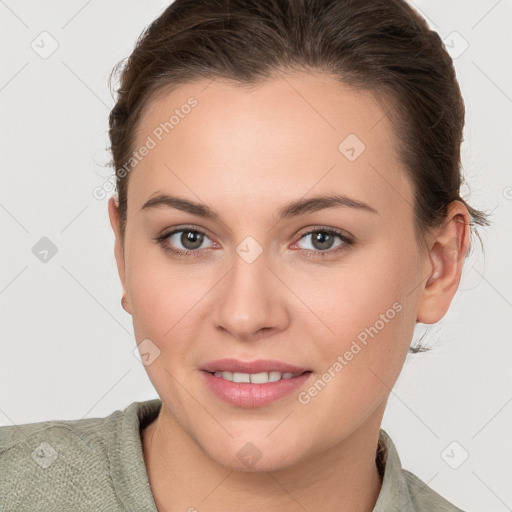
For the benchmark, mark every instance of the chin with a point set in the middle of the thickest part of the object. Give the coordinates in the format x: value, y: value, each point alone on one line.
x: 262, y: 465
x: 255, y: 456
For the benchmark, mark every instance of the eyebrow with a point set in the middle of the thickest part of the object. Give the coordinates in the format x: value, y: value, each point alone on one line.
x: 293, y: 209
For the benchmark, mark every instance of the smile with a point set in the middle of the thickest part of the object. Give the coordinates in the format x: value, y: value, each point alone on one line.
x: 256, y: 378
x: 249, y: 390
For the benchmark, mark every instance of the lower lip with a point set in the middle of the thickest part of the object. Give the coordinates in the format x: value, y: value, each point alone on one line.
x: 246, y: 394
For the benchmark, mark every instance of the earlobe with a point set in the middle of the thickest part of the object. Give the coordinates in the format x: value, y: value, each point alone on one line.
x: 444, y: 266
x: 125, y: 304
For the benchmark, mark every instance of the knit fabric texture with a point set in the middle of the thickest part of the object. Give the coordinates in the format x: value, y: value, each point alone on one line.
x: 98, y: 464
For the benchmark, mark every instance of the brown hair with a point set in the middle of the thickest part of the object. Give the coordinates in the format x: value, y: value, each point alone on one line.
x: 383, y: 46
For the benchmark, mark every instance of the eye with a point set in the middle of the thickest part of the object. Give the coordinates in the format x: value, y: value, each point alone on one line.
x: 190, y: 239
x: 323, y: 240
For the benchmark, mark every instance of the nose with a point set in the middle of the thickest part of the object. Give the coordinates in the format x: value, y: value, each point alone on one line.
x: 252, y: 301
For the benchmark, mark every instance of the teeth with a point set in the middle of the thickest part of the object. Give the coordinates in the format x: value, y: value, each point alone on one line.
x: 255, y: 378
x: 241, y: 377
x: 274, y: 376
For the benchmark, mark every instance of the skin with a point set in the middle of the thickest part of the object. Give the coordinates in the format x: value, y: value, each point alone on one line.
x: 246, y: 153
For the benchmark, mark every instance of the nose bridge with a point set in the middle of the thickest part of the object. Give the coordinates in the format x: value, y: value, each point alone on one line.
x: 250, y: 299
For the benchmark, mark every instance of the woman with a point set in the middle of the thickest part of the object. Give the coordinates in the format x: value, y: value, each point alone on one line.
x: 287, y: 209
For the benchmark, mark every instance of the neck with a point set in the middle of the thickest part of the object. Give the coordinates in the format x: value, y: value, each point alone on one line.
x: 184, y: 478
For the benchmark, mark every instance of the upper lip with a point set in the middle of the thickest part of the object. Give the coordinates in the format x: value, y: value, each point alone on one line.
x: 259, y: 366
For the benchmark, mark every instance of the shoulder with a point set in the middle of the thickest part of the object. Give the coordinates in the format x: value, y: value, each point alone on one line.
x: 402, y: 490
x: 14, y: 436
x: 424, y: 498
x: 55, y: 464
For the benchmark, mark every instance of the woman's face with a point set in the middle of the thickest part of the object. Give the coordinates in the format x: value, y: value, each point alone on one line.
x: 258, y: 285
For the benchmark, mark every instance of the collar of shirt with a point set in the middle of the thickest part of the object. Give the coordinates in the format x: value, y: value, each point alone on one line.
x: 129, y: 473
x: 394, y: 494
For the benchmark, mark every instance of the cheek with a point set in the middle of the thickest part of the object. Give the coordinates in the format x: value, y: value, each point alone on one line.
x: 360, y: 363
x: 158, y: 293
x: 366, y: 290
x: 368, y: 318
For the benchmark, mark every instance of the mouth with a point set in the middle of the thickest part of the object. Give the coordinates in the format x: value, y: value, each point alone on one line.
x: 253, y: 383
x: 257, y: 378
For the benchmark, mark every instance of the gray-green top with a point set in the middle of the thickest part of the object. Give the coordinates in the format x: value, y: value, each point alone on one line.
x: 97, y: 464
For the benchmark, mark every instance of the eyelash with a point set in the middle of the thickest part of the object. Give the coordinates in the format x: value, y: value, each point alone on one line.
x: 347, y: 241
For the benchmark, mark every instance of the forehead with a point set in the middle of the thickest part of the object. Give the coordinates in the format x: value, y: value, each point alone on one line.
x: 282, y: 138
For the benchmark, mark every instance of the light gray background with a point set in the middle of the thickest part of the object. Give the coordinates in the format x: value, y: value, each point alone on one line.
x: 66, y: 343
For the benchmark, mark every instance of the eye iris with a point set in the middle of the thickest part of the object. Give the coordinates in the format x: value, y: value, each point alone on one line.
x: 324, y: 239
x: 191, y: 239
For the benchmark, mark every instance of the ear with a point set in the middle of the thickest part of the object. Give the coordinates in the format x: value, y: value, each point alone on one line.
x: 113, y: 213
x: 448, y: 247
